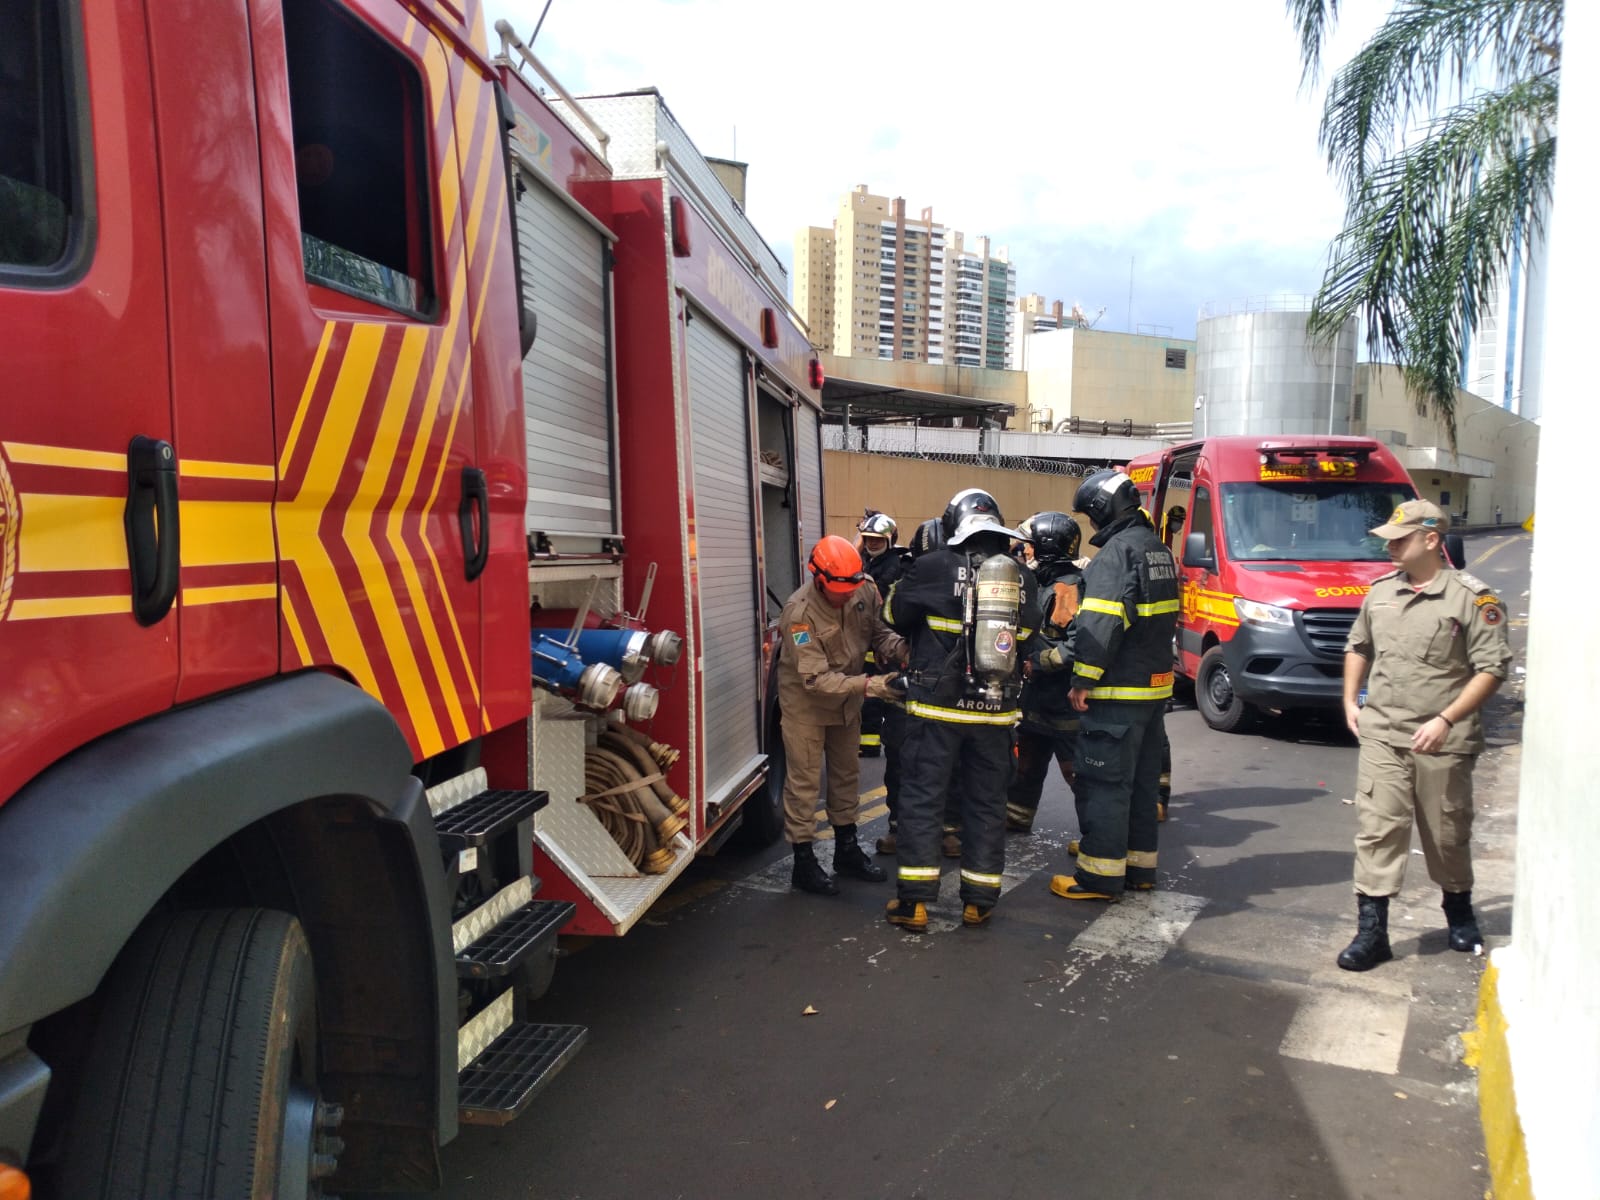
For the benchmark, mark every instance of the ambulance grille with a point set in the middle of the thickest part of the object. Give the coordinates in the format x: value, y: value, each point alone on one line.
x: 1327, y: 628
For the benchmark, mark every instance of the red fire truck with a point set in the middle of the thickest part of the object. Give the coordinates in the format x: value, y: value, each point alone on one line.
x: 1274, y: 556
x: 399, y: 472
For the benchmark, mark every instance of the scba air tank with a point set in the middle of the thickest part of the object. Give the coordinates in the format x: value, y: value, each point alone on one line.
x: 996, y: 613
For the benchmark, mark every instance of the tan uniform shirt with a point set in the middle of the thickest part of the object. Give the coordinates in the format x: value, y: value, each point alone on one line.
x: 823, y: 651
x: 1424, y: 645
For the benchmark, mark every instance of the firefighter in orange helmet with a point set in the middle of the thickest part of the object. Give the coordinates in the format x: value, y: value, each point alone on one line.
x: 827, y: 627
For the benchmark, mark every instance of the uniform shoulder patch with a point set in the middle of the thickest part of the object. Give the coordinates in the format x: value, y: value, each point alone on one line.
x: 1490, y: 611
x: 1474, y: 584
x: 801, y: 634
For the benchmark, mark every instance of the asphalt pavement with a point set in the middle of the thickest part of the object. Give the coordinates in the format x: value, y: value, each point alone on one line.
x: 1194, y: 1042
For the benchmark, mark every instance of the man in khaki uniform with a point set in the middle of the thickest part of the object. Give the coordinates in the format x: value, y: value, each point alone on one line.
x: 827, y: 627
x: 1430, y: 643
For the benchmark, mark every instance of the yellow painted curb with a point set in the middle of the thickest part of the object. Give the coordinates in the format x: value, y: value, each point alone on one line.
x: 1497, y: 1101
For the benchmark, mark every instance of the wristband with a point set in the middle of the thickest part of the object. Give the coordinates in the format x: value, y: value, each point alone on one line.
x: 1446, y: 720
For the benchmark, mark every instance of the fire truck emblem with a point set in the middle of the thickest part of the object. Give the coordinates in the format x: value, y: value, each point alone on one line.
x: 10, y: 519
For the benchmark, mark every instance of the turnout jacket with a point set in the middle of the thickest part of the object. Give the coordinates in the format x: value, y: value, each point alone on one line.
x: 1122, y: 646
x: 1044, y: 694
x: 884, y: 571
x: 927, y: 605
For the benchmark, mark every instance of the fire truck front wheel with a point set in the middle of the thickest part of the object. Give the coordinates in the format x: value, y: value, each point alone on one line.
x: 1214, y: 696
x: 201, y: 1079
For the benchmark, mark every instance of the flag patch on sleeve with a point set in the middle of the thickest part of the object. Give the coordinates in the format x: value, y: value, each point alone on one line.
x: 801, y: 634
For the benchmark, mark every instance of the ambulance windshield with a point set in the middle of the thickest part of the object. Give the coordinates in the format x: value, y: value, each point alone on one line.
x: 1307, y: 521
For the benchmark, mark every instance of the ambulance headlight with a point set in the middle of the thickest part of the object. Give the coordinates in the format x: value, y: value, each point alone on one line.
x: 1253, y: 612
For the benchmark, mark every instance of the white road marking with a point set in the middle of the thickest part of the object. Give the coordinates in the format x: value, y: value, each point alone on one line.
x: 1141, y: 929
x: 1361, y: 1030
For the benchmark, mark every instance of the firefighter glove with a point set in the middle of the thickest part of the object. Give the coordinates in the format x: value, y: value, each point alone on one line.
x: 878, y: 688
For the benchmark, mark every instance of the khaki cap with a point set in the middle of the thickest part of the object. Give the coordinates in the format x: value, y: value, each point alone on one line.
x: 1412, y: 516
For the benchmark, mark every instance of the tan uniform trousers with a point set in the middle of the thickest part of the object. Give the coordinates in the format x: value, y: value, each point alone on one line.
x: 805, y: 747
x: 1392, y: 785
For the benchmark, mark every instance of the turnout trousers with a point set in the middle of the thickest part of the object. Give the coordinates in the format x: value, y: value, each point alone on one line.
x: 1118, y: 776
x: 941, y: 761
x: 1037, y: 744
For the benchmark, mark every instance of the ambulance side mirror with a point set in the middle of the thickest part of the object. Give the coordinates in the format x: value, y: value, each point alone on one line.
x: 1195, y: 553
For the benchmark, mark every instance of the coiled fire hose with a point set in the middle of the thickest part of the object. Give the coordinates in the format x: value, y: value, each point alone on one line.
x: 663, y: 754
x: 624, y: 798
x: 638, y: 753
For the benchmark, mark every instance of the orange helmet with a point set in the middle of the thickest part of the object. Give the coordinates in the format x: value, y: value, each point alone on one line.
x: 836, y: 565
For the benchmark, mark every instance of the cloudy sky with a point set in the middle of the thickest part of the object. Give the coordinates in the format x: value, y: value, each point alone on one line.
x: 1172, y: 135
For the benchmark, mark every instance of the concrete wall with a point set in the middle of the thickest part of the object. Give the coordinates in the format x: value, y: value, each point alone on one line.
x: 1546, y: 1009
x: 1493, y: 461
x: 1104, y: 376
x: 911, y: 490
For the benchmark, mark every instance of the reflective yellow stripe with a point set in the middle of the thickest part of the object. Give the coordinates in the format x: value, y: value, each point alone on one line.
x: 944, y: 624
x: 1111, y: 608
x: 888, y: 604
x: 871, y: 739
x: 1142, y: 858
x: 961, y: 716
x: 1131, y: 693
x: 919, y: 873
x: 1087, y: 671
x: 1112, y: 868
x: 229, y: 595
x: 871, y: 657
x: 1024, y: 633
x: 1160, y: 606
x: 980, y: 879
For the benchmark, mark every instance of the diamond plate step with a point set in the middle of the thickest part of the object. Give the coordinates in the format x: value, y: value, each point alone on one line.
x: 522, y: 933
x: 506, y: 1076
x: 474, y: 821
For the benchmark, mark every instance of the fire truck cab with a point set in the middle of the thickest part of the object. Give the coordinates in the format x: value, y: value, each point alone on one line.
x: 1274, y: 558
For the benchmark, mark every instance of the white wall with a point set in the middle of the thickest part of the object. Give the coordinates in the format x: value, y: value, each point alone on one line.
x: 1550, y: 974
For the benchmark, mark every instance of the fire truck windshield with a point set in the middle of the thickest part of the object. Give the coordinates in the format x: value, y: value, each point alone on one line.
x: 1308, y: 521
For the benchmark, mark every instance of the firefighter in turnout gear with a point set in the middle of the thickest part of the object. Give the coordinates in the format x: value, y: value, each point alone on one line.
x: 1121, y: 681
x: 929, y: 536
x: 827, y: 627
x: 882, y: 560
x: 1049, y: 725
x: 968, y: 610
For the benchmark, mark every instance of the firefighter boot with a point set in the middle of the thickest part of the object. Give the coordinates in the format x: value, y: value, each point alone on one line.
x: 910, y: 915
x: 886, y: 844
x: 1371, y: 944
x: 1464, y: 933
x: 850, y: 859
x: 808, y: 873
x: 950, y: 845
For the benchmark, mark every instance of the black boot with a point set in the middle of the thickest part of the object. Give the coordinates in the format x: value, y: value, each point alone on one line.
x: 808, y: 873
x: 1464, y: 933
x: 1371, y: 944
x: 850, y: 859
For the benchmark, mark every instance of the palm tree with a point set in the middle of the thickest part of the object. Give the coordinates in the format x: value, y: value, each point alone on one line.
x: 1441, y: 132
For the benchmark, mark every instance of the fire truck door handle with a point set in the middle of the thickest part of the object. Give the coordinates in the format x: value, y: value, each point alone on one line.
x: 474, y: 541
x: 150, y: 521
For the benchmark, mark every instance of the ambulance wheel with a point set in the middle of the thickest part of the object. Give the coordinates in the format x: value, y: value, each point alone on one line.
x: 1214, y: 695
x: 201, y: 1078
x: 763, y: 811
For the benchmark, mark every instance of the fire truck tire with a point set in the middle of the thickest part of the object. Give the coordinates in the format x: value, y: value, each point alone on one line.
x: 1214, y: 696
x: 201, y: 1078
x: 763, y: 811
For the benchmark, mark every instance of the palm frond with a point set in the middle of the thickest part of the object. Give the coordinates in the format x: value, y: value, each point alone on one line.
x: 1313, y: 22
x: 1425, y: 52
x: 1430, y: 232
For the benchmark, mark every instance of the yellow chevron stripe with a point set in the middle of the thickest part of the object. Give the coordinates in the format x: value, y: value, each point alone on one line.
x: 369, y: 563
x: 480, y: 189
x: 72, y: 533
x: 296, y: 634
x: 34, y: 455
x: 220, y: 533
x: 438, y: 72
x: 70, y: 606
x: 193, y: 597
x: 201, y: 469
x: 422, y: 524
x: 297, y: 520
x: 293, y: 440
x: 488, y: 262
x: 394, y: 525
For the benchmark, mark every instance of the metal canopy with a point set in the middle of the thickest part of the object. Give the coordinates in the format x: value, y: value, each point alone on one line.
x: 865, y: 403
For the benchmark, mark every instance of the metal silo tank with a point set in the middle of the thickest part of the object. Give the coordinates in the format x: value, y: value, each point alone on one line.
x: 1261, y: 373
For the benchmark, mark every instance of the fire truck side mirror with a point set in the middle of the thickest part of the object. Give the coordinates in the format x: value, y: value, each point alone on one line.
x: 530, y: 329
x: 1196, y: 553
